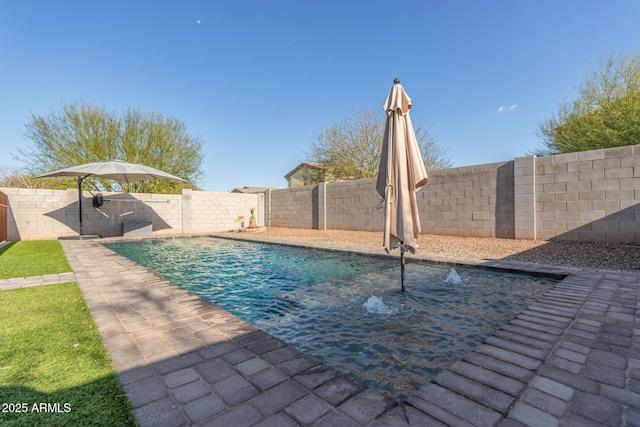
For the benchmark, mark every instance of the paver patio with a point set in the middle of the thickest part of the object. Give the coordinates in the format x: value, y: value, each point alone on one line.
x: 571, y: 358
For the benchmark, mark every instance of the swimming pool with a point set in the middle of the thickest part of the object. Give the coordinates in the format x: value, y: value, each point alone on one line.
x: 347, y: 309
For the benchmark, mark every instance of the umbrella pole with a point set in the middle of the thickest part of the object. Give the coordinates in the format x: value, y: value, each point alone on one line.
x: 402, y: 247
x: 80, y: 202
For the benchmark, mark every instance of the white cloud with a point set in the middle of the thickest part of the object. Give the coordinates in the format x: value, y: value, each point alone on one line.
x: 198, y: 22
x: 503, y: 108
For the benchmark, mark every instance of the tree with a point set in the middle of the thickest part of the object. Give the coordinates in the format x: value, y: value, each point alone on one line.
x: 351, y: 148
x: 15, y: 178
x: 606, y: 113
x: 84, y: 133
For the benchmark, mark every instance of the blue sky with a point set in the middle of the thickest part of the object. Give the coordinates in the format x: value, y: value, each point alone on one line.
x: 256, y: 80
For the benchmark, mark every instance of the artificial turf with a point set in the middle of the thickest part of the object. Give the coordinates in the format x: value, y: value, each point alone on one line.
x: 54, y: 369
x: 32, y: 258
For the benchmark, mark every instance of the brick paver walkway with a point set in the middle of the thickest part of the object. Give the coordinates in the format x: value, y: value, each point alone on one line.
x: 571, y: 358
x: 46, y: 279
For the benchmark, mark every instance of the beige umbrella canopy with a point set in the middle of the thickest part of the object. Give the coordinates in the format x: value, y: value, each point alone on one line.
x: 401, y: 174
x: 116, y: 170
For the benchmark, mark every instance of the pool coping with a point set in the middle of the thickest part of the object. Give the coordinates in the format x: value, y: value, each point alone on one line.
x: 570, y: 357
x: 536, y: 269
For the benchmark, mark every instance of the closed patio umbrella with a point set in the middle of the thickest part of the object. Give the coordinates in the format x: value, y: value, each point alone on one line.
x: 401, y: 174
x: 116, y: 170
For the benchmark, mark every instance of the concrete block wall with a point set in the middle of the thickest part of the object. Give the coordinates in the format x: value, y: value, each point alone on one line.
x: 34, y: 214
x: 586, y: 196
x: 39, y: 212
x: 470, y: 201
x: 467, y: 201
x: 353, y: 205
x: 346, y: 205
x: 295, y: 207
x: 220, y: 211
x: 589, y: 196
x: 161, y: 209
x: 524, y: 198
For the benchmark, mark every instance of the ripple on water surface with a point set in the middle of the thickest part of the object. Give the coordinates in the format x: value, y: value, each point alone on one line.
x: 346, y: 309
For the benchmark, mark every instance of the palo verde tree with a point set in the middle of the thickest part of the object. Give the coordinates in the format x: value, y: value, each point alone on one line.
x: 350, y: 149
x: 84, y: 133
x: 15, y: 178
x: 605, y: 114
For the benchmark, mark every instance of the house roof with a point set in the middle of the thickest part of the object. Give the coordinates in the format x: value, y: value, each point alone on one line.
x: 250, y: 190
x: 302, y: 165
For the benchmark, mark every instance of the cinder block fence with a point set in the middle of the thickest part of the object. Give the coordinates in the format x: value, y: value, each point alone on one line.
x: 48, y: 214
x: 586, y: 196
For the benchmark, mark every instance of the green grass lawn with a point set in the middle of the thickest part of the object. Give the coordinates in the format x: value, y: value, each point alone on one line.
x: 51, y: 353
x: 54, y: 370
x: 32, y: 258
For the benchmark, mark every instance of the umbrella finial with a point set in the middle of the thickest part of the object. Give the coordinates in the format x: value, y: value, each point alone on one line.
x: 396, y: 81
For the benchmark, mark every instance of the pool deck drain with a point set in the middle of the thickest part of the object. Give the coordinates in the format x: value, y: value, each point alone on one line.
x: 571, y: 358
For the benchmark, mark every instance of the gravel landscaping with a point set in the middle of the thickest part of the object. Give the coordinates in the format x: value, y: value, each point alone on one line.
x: 624, y: 257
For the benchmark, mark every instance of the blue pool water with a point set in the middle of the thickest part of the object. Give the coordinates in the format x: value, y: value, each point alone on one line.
x: 346, y: 309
